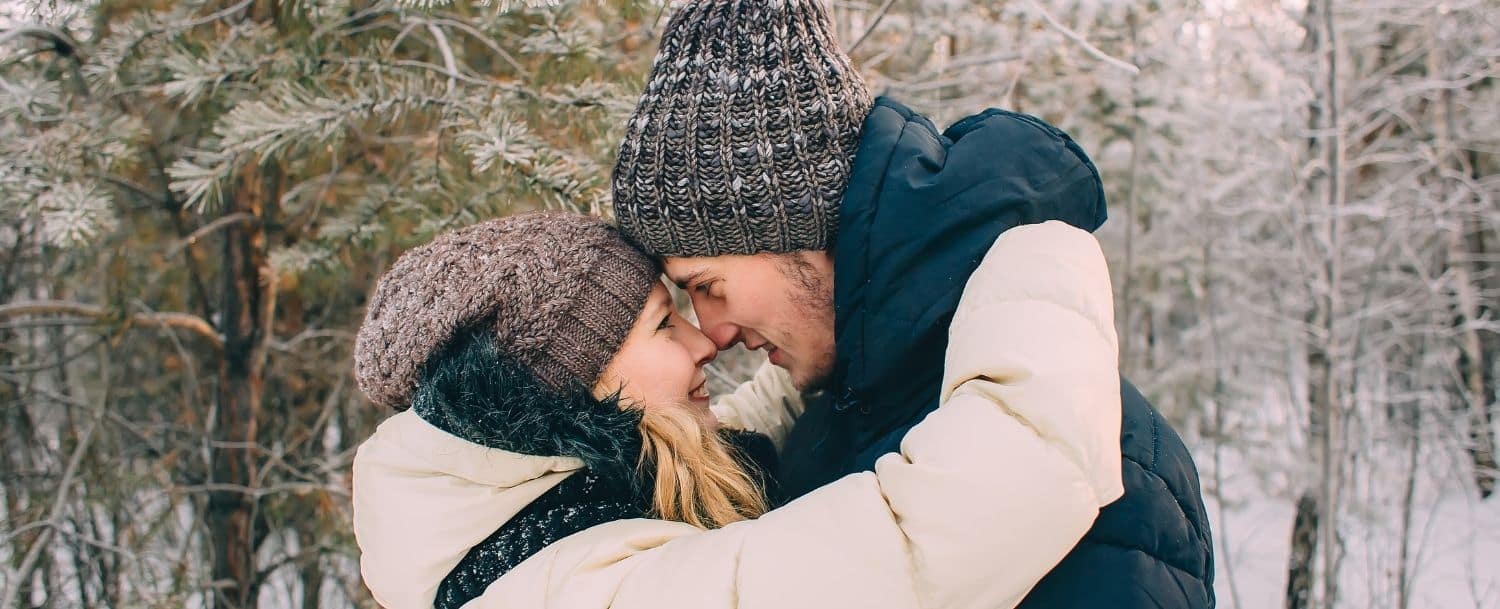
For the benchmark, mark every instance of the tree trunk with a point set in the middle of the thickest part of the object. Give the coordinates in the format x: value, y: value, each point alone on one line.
x: 247, y: 307
x: 1220, y: 398
x: 1332, y: 423
x: 1132, y: 182
x: 1467, y: 259
x: 312, y: 568
x: 1408, y: 503
x: 1304, y: 547
x: 1475, y: 362
x: 1315, y: 530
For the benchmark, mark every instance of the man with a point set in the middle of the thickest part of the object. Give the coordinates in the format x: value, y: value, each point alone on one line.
x: 836, y: 233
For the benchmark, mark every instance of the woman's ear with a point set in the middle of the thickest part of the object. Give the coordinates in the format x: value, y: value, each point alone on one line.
x: 603, y: 388
x: 609, y: 385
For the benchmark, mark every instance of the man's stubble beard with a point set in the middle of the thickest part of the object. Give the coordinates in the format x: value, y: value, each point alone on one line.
x: 812, y: 295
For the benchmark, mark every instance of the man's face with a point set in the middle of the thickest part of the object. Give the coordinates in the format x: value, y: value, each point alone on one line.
x: 781, y: 303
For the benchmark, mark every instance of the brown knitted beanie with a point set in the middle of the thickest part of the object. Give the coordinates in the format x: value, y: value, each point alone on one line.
x: 560, y: 290
x: 743, y: 139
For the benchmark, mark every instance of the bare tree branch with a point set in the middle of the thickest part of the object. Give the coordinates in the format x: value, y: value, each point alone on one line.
x: 203, y: 231
x: 879, y: 14
x: 182, y: 321
x: 1081, y: 41
x: 59, y: 503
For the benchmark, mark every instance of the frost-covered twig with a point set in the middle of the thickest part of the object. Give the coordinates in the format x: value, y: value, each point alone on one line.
x: 60, y: 40
x: 501, y: 5
x: 485, y: 40
x: 1081, y: 41
x: 447, y: 50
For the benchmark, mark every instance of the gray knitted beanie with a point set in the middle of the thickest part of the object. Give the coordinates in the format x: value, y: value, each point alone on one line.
x: 560, y: 291
x: 743, y: 139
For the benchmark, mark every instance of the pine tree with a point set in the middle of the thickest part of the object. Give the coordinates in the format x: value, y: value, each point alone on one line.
x: 199, y: 195
x: 211, y: 188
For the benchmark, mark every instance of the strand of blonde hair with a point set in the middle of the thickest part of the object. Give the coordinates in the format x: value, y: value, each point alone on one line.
x: 696, y: 478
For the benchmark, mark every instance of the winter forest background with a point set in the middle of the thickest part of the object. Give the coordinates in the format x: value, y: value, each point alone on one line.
x: 196, y: 197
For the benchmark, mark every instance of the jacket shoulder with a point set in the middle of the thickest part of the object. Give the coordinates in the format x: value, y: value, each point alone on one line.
x: 1051, y: 262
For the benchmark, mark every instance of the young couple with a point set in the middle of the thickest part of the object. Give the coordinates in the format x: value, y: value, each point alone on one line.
x: 940, y: 421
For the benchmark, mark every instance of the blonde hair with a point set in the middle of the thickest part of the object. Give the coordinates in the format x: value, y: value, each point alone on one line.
x: 695, y: 476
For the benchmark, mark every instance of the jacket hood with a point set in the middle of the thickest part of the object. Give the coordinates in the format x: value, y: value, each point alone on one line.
x: 491, y: 399
x: 483, y: 439
x: 423, y: 497
x: 921, y: 211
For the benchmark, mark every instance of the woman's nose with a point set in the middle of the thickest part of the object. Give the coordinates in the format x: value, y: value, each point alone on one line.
x: 701, y: 347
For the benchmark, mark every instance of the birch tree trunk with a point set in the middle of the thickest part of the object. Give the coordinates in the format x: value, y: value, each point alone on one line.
x: 1469, y: 264
x: 1314, y: 541
x: 1330, y: 442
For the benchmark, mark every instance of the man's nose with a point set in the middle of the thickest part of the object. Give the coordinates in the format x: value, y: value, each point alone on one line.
x: 714, y: 324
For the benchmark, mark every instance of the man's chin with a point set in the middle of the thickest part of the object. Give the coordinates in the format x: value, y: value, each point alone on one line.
x: 807, y: 381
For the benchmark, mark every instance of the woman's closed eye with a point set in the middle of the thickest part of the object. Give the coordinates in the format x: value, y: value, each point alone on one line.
x: 666, y: 322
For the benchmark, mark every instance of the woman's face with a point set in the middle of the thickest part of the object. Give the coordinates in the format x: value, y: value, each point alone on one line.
x: 660, y: 364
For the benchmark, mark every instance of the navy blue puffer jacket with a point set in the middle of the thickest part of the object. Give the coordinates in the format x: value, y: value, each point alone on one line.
x: 921, y: 209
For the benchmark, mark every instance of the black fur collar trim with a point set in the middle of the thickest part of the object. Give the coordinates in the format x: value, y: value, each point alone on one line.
x: 473, y: 391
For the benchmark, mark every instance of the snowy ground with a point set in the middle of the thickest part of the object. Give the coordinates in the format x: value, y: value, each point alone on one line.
x: 1456, y: 549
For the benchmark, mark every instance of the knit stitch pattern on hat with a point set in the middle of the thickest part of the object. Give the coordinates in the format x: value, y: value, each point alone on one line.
x: 743, y: 139
x: 559, y: 290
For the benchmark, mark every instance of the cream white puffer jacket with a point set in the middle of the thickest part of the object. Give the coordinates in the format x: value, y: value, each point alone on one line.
x: 988, y: 493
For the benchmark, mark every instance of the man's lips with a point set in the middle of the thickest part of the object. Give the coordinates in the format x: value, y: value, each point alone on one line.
x: 773, y: 352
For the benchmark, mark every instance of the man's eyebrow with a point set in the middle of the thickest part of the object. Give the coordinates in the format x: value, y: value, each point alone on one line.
x: 691, y: 279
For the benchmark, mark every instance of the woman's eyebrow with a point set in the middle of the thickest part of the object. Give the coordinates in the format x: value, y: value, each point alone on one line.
x: 656, y: 307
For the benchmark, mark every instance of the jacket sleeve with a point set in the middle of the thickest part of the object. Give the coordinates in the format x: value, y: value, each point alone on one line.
x: 767, y: 404
x: 1027, y: 436
x: 988, y: 493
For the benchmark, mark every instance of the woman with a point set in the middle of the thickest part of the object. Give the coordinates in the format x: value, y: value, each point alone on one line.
x: 559, y: 450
